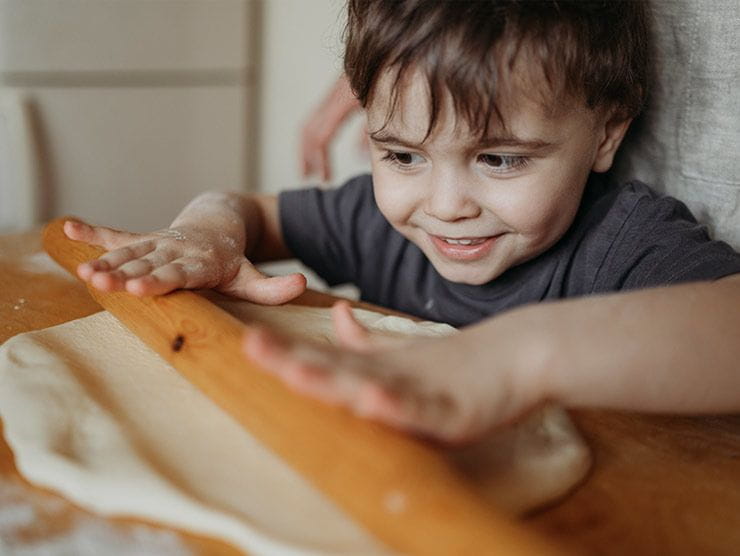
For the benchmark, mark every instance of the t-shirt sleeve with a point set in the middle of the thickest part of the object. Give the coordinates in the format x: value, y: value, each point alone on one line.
x: 659, y: 242
x: 323, y: 227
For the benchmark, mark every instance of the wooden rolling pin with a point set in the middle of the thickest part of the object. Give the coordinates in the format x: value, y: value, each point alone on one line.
x: 398, y: 487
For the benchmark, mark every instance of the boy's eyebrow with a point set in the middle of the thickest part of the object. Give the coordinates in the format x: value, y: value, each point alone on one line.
x: 488, y: 142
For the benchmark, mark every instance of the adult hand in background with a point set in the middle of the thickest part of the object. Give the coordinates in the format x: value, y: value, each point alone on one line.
x: 322, y: 126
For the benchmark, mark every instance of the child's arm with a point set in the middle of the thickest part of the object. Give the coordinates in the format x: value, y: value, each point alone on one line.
x: 672, y: 349
x: 211, y: 244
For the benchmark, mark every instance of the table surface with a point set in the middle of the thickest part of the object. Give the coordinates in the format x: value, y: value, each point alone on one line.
x: 668, y: 485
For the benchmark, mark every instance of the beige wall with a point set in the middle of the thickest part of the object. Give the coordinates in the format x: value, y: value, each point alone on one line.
x: 301, y: 57
x: 123, y: 110
x: 149, y: 103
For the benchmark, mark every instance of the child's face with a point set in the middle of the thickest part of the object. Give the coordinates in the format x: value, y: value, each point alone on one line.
x: 475, y: 209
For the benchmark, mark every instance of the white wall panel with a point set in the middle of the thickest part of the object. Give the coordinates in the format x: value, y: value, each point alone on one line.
x: 123, y: 35
x: 133, y: 157
x: 137, y: 105
x: 301, y: 58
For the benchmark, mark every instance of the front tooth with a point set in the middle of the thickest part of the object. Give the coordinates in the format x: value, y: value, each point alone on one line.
x: 459, y: 241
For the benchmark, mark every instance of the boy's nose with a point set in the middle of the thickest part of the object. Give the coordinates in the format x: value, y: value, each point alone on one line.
x: 449, y: 201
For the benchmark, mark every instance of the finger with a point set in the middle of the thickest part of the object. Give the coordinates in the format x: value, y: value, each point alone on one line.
x: 300, y: 367
x: 161, y: 280
x: 306, y: 157
x: 107, y: 238
x: 314, y: 163
x: 376, y: 403
x: 361, y: 395
x: 275, y: 356
x: 139, y: 267
x: 325, y: 164
x: 355, y: 336
x: 112, y: 260
x: 349, y: 331
x: 146, y: 264
x: 305, y: 165
x: 267, y: 349
x: 311, y: 144
x: 276, y: 290
x: 250, y: 284
x: 79, y: 231
x: 86, y: 270
x: 436, y: 417
x: 115, y: 259
x: 305, y: 168
x: 109, y: 281
x: 191, y: 273
x: 312, y: 381
x: 263, y: 348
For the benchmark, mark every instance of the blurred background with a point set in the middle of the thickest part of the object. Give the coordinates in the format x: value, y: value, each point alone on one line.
x: 120, y: 111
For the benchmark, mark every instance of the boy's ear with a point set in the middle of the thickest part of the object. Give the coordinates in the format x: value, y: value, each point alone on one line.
x: 612, y: 134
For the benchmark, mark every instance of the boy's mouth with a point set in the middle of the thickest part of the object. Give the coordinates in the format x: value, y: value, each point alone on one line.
x: 464, y: 241
x: 464, y: 248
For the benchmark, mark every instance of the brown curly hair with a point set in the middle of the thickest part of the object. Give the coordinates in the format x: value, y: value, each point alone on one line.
x: 596, y: 52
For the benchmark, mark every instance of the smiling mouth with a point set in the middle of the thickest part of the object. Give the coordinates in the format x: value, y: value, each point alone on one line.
x: 464, y: 248
x: 464, y: 241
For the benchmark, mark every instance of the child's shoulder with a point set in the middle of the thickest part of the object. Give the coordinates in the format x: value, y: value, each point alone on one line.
x: 340, y: 202
x: 634, y: 201
x: 646, y: 238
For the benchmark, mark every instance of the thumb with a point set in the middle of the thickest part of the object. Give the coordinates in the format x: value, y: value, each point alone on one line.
x: 354, y: 335
x: 250, y: 284
x: 325, y: 165
x: 350, y: 333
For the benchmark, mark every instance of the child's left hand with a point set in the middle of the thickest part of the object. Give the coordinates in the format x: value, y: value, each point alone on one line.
x: 429, y: 386
x: 659, y: 350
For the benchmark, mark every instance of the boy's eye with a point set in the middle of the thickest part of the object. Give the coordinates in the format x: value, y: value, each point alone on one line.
x: 503, y: 162
x: 403, y: 159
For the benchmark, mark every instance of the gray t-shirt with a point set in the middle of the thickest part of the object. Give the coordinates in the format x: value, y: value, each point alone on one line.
x: 623, y: 237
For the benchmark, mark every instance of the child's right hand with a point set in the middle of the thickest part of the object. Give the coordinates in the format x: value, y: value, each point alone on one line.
x: 181, y: 257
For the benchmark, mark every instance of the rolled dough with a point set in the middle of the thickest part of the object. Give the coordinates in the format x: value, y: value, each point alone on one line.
x: 92, y: 412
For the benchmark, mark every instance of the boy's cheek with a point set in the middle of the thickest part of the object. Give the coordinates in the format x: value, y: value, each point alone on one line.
x: 549, y: 224
x: 538, y: 219
x: 552, y: 200
x: 396, y: 205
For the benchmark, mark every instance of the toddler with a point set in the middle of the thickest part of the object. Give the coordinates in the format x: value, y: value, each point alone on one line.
x: 491, y: 124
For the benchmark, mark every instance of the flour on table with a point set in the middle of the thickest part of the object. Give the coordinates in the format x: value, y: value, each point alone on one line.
x: 20, y: 534
x: 41, y: 263
x: 91, y: 412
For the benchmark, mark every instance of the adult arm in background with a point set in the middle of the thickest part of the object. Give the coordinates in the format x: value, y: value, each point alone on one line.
x: 322, y: 126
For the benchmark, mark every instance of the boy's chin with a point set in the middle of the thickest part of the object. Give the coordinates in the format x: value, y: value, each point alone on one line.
x: 468, y: 276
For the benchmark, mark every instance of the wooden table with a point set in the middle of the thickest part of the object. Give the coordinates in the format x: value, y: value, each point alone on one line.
x: 660, y: 485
